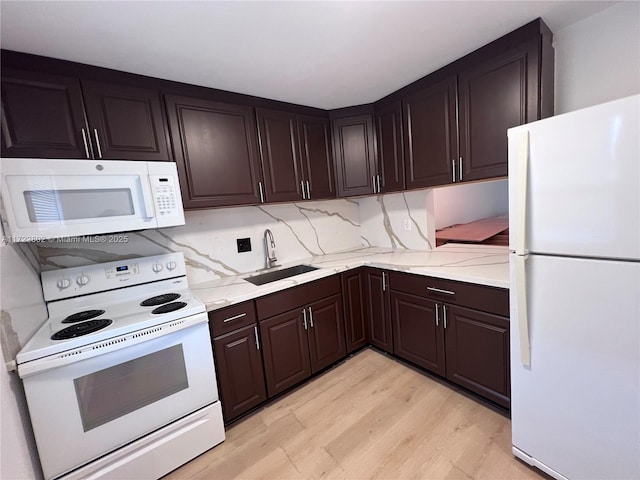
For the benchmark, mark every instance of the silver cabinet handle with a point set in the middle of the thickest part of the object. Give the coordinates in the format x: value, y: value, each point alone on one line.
x: 440, y: 290
x: 302, y: 187
x: 304, y: 317
x: 261, y: 192
x: 437, y: 316
x: 255, y: 333
x: 453, y: 170
x: 373, y: 182
x: 460, y: 165
x: 444, y: 315
x: 378, y: 177
x: 86, y: 146
x: 308, y: 191
x: 384, y: 281
x: 95, y: 134
x: 234, y: 317
x: 311, y: 316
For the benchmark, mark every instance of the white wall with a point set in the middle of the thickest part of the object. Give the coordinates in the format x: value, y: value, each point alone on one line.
x: 598, y: 58
x: 22, y: 311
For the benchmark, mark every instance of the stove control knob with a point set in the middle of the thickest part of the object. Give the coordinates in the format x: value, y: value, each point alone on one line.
x: 157, y: 267
x: 82, y: 279
x: 63, y: 283
x: 171, y: 265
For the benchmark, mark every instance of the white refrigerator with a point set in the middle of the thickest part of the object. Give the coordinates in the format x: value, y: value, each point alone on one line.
x: 574, y: 223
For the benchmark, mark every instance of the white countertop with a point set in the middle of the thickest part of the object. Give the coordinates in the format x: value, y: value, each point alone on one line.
x: 481, y: 264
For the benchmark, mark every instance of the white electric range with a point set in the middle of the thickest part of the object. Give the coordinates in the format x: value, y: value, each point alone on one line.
x: 120, y: 380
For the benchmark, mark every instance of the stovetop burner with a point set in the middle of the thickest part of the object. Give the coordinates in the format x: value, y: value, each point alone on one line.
x: 160, y: 299
x: 169, y: 307
x: 82, y: 328
x: 82, y: 316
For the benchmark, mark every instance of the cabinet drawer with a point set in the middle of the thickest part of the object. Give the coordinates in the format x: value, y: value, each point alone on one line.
x: 481, y: 297
x: 231, y: 318
x: 291, y: 298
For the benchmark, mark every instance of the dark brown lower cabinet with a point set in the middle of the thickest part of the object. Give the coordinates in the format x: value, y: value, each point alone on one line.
x: 468, y: 346
x: 326, y: 332
x: 285, y: 351
x: 417, y: 335
x: 353, y: 295
x: 377, y: 309
x: 477, y: 348
x: 240, y: 371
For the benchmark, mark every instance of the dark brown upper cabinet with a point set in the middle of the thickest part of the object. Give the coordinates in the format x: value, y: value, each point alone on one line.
x: 280, y: 156
x: 44, y: 116
x: 355, y: 155
x: 431, y: 137
x: 495, y: 95
x: 215, y: 145
x: 126, y: 122
x: 390, y: 165
x: 314, y: 134
x: 296, y: 158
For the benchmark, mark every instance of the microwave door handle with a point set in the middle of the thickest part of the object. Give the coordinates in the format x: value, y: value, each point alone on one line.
x: 147, y: 197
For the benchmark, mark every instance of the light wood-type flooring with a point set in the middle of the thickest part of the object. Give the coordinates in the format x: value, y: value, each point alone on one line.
x: 369, y: 417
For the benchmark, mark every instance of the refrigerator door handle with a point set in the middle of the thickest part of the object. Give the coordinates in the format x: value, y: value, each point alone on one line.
x: 521, y: 310
x: 521, y: 193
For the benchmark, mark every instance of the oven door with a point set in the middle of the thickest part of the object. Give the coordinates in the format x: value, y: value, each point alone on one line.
x: 85, y: 409
x: 64, y: 198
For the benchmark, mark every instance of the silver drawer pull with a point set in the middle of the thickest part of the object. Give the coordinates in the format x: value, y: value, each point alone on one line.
x: 234, y: 318
x: 255, y: 332
x: 440, y: 290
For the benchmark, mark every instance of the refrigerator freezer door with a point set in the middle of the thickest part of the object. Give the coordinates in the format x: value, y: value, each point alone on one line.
x: 582, y: 182
x: 575, y: 409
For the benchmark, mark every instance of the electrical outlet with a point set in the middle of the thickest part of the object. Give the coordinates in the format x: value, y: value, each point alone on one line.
x: 407, y: 224
x: 244, y: 245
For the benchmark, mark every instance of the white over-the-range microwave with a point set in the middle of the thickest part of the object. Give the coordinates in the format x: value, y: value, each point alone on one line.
x: 51, y: 198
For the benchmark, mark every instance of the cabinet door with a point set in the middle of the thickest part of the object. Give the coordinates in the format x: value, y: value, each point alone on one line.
x: 240, y: 371
x: 215, y: 146
x: 477, y: 350
x: 42, y: 116
x: 279, y: 151
x: 326, y: 332
x: 315, y: 152
x: 354, y: 148
x: 495, y: 95
x: 285, y: 350
x: 431, y: 139
x: 378, y: 309
x: 353, y: 295
x: 417, y: 333
x: 126, y: 123
x: 390, y: 148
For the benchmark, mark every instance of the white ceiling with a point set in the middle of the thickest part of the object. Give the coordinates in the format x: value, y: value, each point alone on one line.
x: 322, y: 54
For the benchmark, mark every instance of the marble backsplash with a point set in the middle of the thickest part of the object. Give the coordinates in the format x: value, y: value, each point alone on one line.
x: 208, y: 240
x: 398, y: 220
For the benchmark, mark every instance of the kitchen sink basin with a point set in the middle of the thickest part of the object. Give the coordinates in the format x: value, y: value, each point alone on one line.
x: 269, y: 277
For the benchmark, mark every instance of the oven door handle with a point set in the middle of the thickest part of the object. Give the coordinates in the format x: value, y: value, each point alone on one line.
x: 109, y: 345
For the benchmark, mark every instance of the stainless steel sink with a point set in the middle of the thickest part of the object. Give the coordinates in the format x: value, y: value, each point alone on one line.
x: 269, y: 277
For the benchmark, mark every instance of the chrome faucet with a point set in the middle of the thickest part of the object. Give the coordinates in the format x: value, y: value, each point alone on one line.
x: 269, y: 252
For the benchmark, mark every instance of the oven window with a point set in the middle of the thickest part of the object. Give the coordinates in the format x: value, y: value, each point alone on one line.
x: 58, y: 205
x: 115, y: 391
